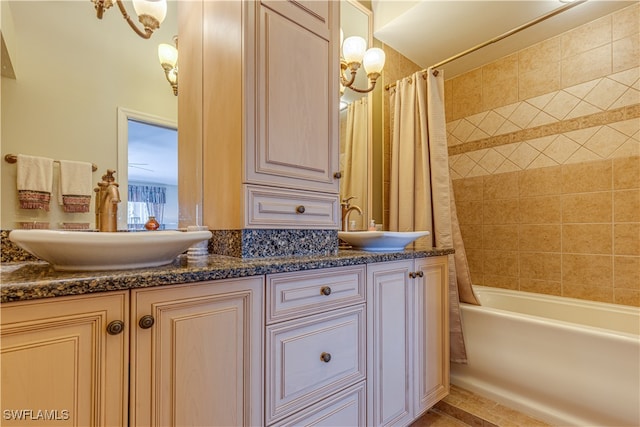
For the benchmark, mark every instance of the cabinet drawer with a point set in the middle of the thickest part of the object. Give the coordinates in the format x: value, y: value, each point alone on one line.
x: 301, y: 293
x: 273, y: 207
x: 347, y: 408
x: 297, y: 375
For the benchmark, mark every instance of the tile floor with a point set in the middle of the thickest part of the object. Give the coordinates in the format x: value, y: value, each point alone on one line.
x: 462, y: 408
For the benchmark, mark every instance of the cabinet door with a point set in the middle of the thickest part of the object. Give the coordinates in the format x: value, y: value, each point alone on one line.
x: 431, y: 305
x: 297, y: 105
x: 60, y: 366
x: 200, y: 363
x: 389, y: 333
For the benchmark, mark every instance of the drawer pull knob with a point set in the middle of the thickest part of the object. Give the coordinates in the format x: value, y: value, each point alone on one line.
x: 337, y: 175
x: 420, y: 273
x: 115, y: 327
x: 325, y: 290
x: 300, y: 209
x: 325, y: 357
x: 412, y: 275
x: 146, y: 321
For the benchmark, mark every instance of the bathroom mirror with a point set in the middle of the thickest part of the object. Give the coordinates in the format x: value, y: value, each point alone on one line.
x: 72, y: 74
x: 355, y: 123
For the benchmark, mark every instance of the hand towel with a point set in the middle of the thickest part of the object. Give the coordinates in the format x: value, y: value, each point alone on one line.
x: 34, y: 181
x: 75, y: 186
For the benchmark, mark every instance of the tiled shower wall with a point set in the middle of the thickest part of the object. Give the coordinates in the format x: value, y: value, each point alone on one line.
x: 544, y: 150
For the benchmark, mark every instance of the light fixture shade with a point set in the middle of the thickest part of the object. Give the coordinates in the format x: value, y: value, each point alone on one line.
x: 353, y: 49
x: 373, y: 60
x: 167, y: 54
x: 155, y: 8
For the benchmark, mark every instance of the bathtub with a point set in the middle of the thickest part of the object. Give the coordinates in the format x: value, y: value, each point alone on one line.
x: 561, y: 360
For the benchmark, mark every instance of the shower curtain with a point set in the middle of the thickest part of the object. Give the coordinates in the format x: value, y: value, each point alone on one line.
x: 421, y: 194
x: 354, y: 159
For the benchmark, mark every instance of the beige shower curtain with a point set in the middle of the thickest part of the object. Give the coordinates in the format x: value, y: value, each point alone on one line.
x: 421, y: 194
x: 354, y: 159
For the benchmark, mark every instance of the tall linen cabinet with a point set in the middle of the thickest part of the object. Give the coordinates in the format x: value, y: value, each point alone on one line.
x: 258, y: 113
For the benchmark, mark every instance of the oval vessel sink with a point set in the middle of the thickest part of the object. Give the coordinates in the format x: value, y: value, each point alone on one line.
x: 86, y: 251
x: 380, y: 241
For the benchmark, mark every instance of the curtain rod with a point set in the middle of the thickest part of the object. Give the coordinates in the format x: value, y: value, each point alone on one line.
x: 501, y: 37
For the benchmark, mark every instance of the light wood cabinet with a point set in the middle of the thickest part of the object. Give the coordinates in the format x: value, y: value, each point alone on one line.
x: 59, y: 364
x: 265, y: 82
x: 200, y: 361
x: 407, y: 339
x: 316, y: 347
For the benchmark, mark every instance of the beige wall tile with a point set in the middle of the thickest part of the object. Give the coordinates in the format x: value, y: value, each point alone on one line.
x: 475, y: 258
x: 586, y: 37
x: 541, y: 266
x: 540, y: 286
x: 471, y: 235
x: 587, y: 207
x: 548, y: 78
x: 540, y: 210
x: 588, y: 292
x: 500, y: 263
x: 627, y: 239
x: 469, y: 212
x: 626, y: 272
x: 594, y: 270
x: 504, y: 211
x: 500, y: 237
x: 626, y: 22
x: 586, y: 66
x: 536, y: 57
x: 448, y: 100
x: 540, y: 238
x: 500, y: 82
x: 501, y: 186
x: 586, y: 177
x: 468, y: 189
x: 587, y: 239
x: 626, y: 205
x: 627, y: 297
x: 539, y: 182
x: 626, y: 53
x: 626, y: 172
x: 467, y: 94
x: 503, y: 282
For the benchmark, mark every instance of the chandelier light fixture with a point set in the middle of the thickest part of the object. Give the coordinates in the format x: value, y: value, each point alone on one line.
x: 168, y: 57
x: 355, y: 54
x: 150, y: 13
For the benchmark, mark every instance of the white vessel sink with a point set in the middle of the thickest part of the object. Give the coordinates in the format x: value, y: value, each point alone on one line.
x: 86, y: 251
x: 380, y: 241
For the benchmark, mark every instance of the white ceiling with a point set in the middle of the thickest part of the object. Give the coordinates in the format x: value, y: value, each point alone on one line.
x: 428, y: 32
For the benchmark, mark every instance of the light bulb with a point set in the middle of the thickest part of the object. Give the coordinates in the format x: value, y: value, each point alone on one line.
x: 353, y: 49
x: 373, y: 60
x: 154, y: 8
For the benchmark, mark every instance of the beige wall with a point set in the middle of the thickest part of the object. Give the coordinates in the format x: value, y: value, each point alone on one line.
x: 544, y: 150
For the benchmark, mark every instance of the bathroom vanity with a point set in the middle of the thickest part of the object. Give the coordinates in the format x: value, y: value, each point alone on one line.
x: 351, y: 339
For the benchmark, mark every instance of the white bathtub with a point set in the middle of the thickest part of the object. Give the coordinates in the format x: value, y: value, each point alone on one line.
x: 561, y: 360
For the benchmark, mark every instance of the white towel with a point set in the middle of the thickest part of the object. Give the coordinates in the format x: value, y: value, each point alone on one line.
x: 34, y: 181
x: 75, y: 186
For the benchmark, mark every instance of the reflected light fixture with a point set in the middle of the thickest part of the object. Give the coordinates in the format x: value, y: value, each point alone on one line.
x: 168, y: 57
x: 150, y: 13
x: 355, y: 54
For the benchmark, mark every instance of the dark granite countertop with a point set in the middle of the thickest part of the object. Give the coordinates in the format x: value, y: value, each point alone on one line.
x: 34, y: 280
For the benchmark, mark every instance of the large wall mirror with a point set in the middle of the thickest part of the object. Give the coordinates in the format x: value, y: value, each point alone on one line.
x: 355, y: 123
x: 72, y: 74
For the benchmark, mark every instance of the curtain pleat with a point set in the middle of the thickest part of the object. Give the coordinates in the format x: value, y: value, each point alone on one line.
x: 421, y: 195
x: 354, y: 179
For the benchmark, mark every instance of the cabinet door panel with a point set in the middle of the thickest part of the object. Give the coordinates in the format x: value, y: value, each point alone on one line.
x: 389, y: 332
x: 296, y: 143
x: 432, y: 333
x: 58, y: 361
x: 315, y: 15
x: 200, y: 362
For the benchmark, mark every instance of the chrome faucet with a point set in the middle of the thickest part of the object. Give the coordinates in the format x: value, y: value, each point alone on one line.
x: 346, y: 211
x: 107, y: 199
